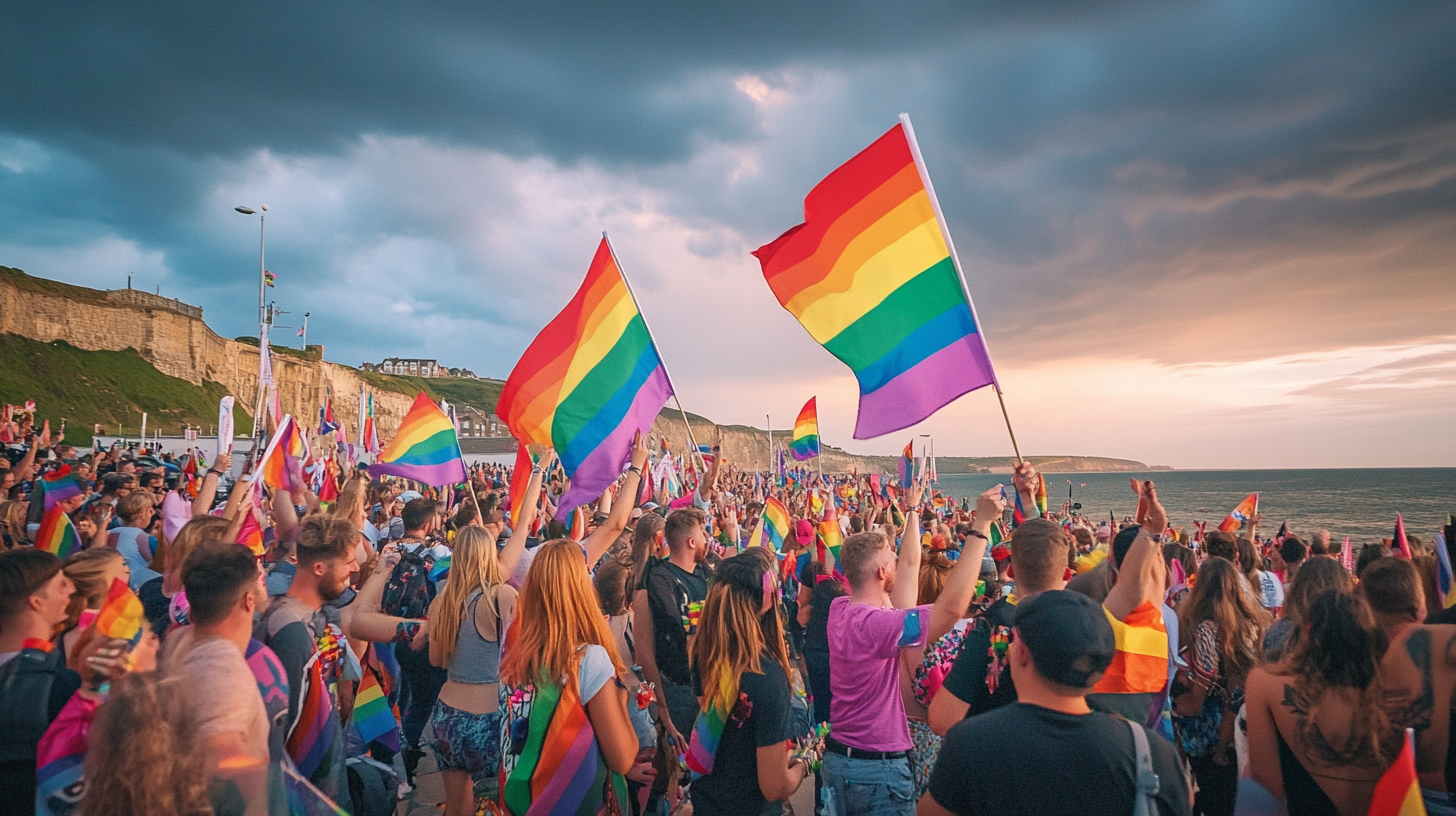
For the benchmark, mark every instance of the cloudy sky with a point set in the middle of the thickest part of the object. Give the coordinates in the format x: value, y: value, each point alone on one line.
x: 1202, y: 234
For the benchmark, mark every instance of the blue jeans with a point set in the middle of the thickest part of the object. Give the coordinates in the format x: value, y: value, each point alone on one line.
x: 867, y: 787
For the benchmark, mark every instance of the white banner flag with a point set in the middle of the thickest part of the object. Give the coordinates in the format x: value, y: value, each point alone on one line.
x: 225, y: 426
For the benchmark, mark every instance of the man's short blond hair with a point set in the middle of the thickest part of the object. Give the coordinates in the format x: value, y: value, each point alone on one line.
x: 857, y: 555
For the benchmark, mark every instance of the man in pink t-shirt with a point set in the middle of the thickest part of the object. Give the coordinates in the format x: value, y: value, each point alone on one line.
x: 865, y: 768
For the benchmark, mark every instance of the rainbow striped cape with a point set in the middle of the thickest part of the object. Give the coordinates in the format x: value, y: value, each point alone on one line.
x: 870, y: 276
x: 553, y: 765
x: 1140, y: 664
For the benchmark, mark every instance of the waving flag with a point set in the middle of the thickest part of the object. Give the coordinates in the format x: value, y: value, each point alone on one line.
x: 1443, y: 573
x: 1399, y: 541
x: 1347, y: 556
x: 1247, y: 509
x: 121, y: 613
x: 805, y: 442
x: 425, y: 448
x: 60, y: 484
x: 286, y: 446
x: 774, y: 527
x: 907, y: 465
x: 57, y: 534
x: 372, y: 714
x: 589, y: 382
x: 1398, y: 792
x: 327, y: 423
x: 871, y: 276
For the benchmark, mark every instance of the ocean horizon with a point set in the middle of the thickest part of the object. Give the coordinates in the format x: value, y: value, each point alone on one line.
x: 1358, y: 502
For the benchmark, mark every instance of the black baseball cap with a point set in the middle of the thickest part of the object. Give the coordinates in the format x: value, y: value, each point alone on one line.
x: 1067, y: 633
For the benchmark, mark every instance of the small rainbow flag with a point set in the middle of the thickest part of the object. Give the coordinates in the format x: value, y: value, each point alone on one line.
x: 830, y: 538
x: 59, y: 485
x: 372, y: 715
x: 425, y: 448
x: 871, y: 276
x: 907, y: 465
x: 270, y: 278
x: 121, y: 613
x: 589, y: 382
x: 1398, y: 793
x: 774, y: 526
x: 57, y: 534
x: 1247, y: 509
x: 310, y: 739
x: 287, y: 443
x: 805, y: 442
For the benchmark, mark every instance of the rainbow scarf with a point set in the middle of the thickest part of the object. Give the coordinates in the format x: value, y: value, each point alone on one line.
x: 708, y: 730
x: 553, y: 766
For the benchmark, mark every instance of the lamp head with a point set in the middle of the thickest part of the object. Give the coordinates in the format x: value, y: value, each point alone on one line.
x: 245, y: 210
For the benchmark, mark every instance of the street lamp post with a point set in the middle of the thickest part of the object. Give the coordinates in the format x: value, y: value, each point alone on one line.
x: 262, y: 258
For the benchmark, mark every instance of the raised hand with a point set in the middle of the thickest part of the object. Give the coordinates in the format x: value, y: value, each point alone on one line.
x: 1155, y: 517
x: 990, y: 504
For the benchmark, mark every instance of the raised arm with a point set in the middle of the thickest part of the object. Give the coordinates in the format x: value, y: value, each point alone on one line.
x: 364, y: 619
x: 510, y: 556
x: 207, y: 494
x: 601, y: 539
x: 960, y: 585
x: 1142, y: 576
x: 1025, y: 479
x: 907, y: 589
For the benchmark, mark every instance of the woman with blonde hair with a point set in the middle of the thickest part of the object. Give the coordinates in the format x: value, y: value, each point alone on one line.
x: 91, y: 572
x: 12, y: 524
x: 560, y: 664
x: 739, y: 748
x: 467, y: 620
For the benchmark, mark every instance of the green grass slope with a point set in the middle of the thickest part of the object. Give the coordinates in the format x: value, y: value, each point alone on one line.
x: 110, y: 388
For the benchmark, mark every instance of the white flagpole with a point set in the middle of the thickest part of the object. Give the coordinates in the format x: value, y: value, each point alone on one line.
x: 956, y: 261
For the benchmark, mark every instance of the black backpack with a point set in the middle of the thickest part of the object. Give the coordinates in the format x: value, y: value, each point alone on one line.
x: 409, y: 590
x: 25, y: 694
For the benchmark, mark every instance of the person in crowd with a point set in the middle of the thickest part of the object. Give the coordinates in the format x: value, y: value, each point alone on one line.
x: 560, y: 671
x: 137, y: 512
x: 224, y: 586
x: 865, y: 767
x: 1319, y: 575
x: 420, y: 682
x: 668, y: 609
x: 467, y: 624
x: 1319, y: 542
x: 1319, y: 737
x: 1292, y: 552
x: 91, y: 573
x: 1267, y: 588
x: 1221, y: 627
x: 1049, y: 752
x: 741, y: 674
x: 308, y: 641
x: 823, y: 587
x: 34, y: 596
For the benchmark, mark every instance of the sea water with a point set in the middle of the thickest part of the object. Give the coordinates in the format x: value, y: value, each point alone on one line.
x: 1360, y: 503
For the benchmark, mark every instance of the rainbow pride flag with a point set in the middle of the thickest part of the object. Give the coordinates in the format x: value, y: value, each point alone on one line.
x: 774, y: 527
x: 906, y: 465
x: 59, y: 485
x: 1140, y: 663
x: 871, y: 276
x: 424, y: 448
x: 559, y: 770
x: 57, y: 534
x: 708, y: 728
x: 372, y: 715
x: 121, y: 614
x: 805, y: 442
x: 589, y: 382
x: 311, y: 738
x: 287, y: 444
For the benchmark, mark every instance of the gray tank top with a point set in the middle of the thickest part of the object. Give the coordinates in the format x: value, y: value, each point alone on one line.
x: 476, y: 660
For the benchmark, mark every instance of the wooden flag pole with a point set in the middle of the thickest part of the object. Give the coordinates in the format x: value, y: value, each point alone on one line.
x: 960, y: 274
x: 692, y: 442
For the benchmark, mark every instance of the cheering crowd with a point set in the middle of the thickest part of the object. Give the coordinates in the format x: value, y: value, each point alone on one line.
x: 895, y: 651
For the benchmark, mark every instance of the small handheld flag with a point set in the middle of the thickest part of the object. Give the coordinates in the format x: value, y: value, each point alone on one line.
x: 57, y: 534
x: 121, y: 613
x: 773, y: 528
x: 805, y: 442
x: 907, y: 465
x: 1399, y: 541
x: 1398, y: 792
x: 1247, y: 509
x: 425, y: 448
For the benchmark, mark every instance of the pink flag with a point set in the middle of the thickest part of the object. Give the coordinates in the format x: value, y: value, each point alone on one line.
x: 1400, y: 542
x: 1347, y: 556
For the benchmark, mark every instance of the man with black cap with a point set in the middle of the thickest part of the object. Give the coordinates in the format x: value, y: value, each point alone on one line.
x: 1049, y: 752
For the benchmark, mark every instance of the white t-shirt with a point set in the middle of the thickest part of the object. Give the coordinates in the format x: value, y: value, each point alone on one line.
x: 231, y: 704
x: 1271, y: 595
x: 595, y: 671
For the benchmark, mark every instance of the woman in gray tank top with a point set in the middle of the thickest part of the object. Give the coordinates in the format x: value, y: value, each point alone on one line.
x: 467, y: 623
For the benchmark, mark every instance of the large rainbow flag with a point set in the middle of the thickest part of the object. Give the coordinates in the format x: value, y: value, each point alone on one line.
x: 805, y: 442
x: 57, y: 534
x: 871, y: 276
x: 424, y: 448
x: 588, y: 382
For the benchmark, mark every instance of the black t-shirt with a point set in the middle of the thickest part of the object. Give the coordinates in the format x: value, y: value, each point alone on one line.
x: 675, y: 598
x: 967, y: 678
x: 816, y: 633
x: 763, y: 719
x: 1025, y: 759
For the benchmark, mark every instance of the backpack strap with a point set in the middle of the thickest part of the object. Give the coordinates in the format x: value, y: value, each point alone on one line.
x: 1145, y: 780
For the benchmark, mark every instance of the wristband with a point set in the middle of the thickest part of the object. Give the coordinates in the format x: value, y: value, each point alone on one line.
x: 979, y: 535
x: 635, y: 469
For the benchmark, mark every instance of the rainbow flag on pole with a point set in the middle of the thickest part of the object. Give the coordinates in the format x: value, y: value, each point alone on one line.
x: 907, y: 465
x: 287, y: 444
x: 121, y: 613
x: 59, y: 485
x: 872, y: 276
x: 589, y: 381
x: 57, y: 534
x: 774, y: 527
x: 424, y: 448
x: 805, y: 442
x: 372, y: 715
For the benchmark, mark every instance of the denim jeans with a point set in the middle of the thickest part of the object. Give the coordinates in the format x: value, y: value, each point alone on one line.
x: 867, y: 787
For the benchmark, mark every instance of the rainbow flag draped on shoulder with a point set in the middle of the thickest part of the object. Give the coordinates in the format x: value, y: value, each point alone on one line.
x: 589, y: 381
x: 805, y: 442
x: 425, y: 448
x: 871, y: 275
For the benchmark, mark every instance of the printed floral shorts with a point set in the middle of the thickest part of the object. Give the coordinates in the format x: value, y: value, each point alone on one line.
x: 465, y: 741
